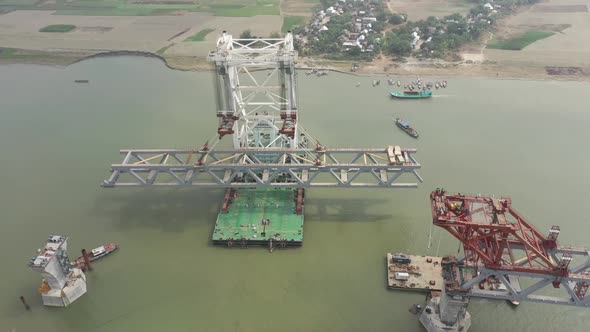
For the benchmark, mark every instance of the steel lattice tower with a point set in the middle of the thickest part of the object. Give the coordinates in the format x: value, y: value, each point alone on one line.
x: 260, y: 111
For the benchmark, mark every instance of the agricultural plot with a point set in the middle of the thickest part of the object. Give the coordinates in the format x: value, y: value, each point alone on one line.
x: 422, y: 9
x: 199, y: 36
x: 289, y: 22
x: 231, y: 8
x: 567, y: 20
x: 58, y: 28
x: 519, y: 42
x: 298, y: 7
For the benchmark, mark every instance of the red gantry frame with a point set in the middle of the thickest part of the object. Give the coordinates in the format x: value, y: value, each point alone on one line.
x: 500, y: 244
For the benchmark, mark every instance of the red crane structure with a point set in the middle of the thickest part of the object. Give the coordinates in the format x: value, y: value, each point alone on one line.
x: 502, y: 249
x: 500, y: 244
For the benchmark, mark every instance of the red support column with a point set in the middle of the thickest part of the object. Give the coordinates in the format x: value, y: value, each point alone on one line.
x: 86, y: 260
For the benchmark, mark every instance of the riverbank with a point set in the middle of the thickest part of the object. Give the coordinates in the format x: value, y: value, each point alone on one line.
x: 378, y: 67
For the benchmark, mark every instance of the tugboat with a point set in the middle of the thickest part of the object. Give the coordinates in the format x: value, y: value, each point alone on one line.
x: 412, y: 94
x: 405, y: 126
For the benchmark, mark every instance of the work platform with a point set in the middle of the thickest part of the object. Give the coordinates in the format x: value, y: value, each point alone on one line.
x: 424, y: 273
x: 270, y: 217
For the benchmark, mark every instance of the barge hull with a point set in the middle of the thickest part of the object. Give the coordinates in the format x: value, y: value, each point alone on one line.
x: 271, y: 217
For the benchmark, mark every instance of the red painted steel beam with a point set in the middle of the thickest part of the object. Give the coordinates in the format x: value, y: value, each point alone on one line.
x: 491, y: 231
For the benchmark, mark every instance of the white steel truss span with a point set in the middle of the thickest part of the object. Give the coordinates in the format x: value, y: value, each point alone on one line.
x: 255, y: 91
x: 265, y: 167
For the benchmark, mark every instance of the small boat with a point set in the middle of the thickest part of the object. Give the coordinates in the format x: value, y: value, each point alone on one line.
x: 411, y: 94
x: 81, y: 81
x: 97, y: 253
x: 102, y: 251
x: 405, y: 126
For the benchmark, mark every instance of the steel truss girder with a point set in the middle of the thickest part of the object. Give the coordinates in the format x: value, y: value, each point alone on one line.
x: 571, y: 286
x: 495, y: 234
x: 254, y: 50
x: 501, y: 246
x: 243, y: 168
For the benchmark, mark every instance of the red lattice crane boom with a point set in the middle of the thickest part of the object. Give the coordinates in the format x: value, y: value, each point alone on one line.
x: 500, y: 245
x: 491, y: 229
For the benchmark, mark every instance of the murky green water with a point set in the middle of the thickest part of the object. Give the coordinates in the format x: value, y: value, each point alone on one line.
x: 524, y: 139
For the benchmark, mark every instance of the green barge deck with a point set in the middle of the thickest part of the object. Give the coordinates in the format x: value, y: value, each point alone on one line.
x: 271, y: 217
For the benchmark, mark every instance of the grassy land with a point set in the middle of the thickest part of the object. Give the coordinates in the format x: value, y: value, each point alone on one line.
x: 239, y: 10
x: 200, y: 36
x: 12, y: 55
x: 289, y: 22
x: 58, y: 28
x: 244, y: 8
x: 7, y: 53
x: 163, y: 49
x: 519, y: 42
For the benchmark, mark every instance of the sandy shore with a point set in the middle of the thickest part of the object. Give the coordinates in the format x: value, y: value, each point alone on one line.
x: 379, y: 67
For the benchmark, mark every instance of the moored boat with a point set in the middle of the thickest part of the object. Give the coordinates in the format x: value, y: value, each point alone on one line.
x: 412, y: 94
x: 97, y: 253
x: 405, y: 126
x: 102, y: 251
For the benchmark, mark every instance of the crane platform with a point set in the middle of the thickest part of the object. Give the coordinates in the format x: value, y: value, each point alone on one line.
x: 423, y: 273
x: 270, y: 217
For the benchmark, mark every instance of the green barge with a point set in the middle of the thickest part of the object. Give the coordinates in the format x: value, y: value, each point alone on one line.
x: 271, y: 217
x: 411, y: 94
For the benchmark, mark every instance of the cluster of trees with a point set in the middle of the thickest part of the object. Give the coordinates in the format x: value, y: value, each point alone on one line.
x: 395, y: 19
x: 329, y: 42
x: 507, y: 3
x: 437, y: 36
x: 449, y: 33
x: 247, y: 34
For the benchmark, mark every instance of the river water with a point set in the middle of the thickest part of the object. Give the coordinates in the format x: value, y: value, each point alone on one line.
x: 524, y: 139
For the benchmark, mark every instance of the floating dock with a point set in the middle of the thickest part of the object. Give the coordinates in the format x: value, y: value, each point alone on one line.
x: 421, y: 273
x: 270, y: 217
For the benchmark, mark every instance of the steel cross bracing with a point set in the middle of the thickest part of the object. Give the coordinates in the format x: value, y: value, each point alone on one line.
x: 243, y: 168
x: 256, y: 104
x: 501, y: 248
x: 256, y: 91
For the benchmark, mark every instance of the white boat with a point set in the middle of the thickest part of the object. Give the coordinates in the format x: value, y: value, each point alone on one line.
x: 102, y: 251
x: 96, y: 253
